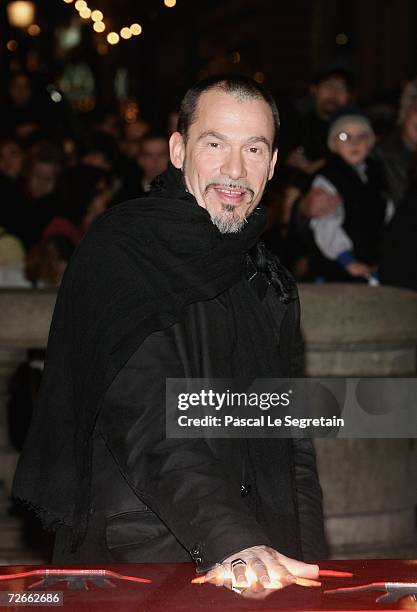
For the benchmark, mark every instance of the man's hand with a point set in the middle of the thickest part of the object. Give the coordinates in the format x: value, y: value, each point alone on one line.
x: 318, y: 203
x: 357, y: 268
x: 256, y: 572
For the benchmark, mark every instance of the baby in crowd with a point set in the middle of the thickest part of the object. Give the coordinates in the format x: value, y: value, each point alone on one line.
x: 347, y: 241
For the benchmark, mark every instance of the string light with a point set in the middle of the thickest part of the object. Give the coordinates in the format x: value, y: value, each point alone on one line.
x: 113, y: 38
x: 85, y: 13
x: 126, y: 33
x: 80, y: 5
x: 97, y: 16
x: 99, y: 26
x: 136, y: 29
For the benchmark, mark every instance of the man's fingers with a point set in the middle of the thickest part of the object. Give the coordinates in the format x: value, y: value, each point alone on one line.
x: 239, y: 576
x: 257, y: 571
x: 217, y: 576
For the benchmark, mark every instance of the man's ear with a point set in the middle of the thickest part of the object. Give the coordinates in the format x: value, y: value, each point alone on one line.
x: 177, y: 150
x: 272, y: 164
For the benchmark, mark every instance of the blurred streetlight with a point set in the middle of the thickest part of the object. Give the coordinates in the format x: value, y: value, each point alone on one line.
x: 20, y: 13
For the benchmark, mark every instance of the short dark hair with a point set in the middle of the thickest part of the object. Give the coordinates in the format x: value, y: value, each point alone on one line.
x: 325, y: 73
x: 240, y: 86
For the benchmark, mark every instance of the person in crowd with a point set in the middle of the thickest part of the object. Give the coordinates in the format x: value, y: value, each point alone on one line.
x: 42, y: 195
x: 331, y: 90
x: 395, y: 152
x: 11, y: 158
x: 175, y: 284
x: 127, y: 169
x: 11, y: 165
x: 99, y: 149
x: 347, y: 241
x: 107, y: 121
x: 34, y: 109
x: 88, y: 192
x: 12, y: 258
x: 305, y: 152
x: 132, y: 139
x: 22, y: 114
x: 398, y: 265
x: 151, y: 161
x: 46, y: 262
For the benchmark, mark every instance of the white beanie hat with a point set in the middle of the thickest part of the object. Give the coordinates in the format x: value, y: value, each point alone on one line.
x: 340, y: 123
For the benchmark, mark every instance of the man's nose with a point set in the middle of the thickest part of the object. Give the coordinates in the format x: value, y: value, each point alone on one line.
x: 233, y: 165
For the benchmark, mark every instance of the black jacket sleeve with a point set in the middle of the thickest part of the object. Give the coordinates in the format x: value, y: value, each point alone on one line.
x: 180, y: 480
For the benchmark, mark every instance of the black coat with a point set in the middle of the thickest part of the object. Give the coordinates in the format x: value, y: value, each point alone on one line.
x: 145, y: 271
x: 172, y: 499
x: 399, y: 253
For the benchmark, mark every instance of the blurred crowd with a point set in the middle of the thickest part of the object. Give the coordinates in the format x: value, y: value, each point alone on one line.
x: 341, y: 208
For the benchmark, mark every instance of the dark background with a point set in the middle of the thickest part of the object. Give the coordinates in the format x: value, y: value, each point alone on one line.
x: 283, y: 41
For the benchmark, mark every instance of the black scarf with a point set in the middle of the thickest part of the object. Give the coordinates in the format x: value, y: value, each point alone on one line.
x: 135, y: 271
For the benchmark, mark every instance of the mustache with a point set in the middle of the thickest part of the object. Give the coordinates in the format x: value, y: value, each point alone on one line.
x: 231, y: 183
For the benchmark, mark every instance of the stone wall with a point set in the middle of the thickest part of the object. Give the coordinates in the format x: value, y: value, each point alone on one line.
x: 369, y: 486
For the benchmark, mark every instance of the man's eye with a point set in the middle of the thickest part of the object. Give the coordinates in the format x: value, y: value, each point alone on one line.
x: 254, y: 150
x: 214, y: 145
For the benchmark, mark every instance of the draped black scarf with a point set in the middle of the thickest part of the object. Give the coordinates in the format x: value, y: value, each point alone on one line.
x: 135, y: 271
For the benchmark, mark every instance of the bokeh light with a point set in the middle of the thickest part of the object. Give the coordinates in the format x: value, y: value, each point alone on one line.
x: 99, y: 26
x: 136, y: 29
x: 126, y: 33
x: 113, y: 38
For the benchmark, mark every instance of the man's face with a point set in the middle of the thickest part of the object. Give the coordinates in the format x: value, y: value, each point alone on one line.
x: 42, y: 179
x: 353, y: 143
x: 330, y: 96
x: 409, y: 128
x: 153, y: 158
x: 228, y: 157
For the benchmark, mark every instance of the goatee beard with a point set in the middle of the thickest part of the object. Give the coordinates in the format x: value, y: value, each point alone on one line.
x: 225, y: 222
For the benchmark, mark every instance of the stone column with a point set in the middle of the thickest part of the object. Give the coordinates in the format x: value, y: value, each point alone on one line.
x: 369, y: 486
